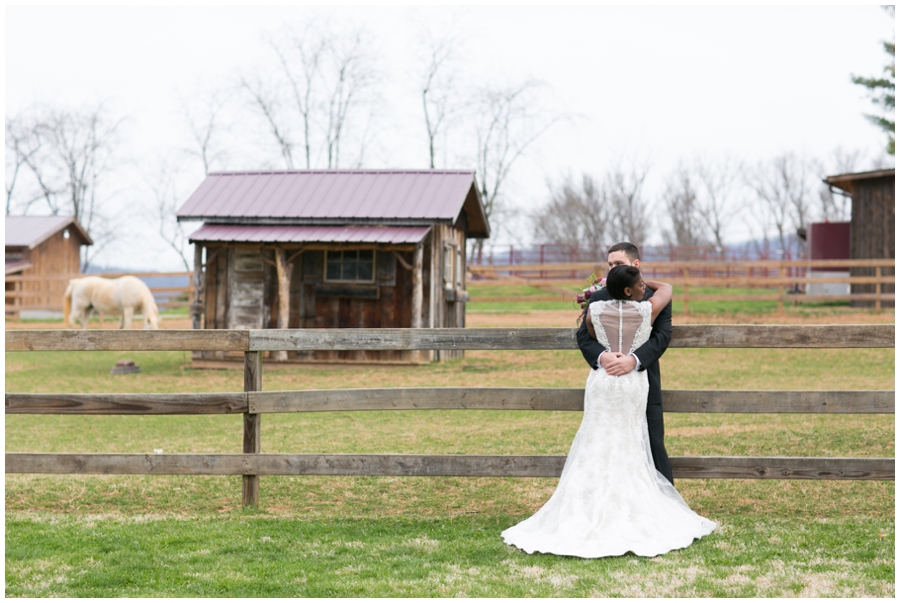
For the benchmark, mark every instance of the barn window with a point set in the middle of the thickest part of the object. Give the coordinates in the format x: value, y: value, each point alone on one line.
x: 356, y: 265
x: 449, y: 262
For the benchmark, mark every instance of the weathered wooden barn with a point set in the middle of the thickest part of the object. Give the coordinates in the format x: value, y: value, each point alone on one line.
x: 40, y: 250
x: 871, y: 223
x: 333, y: 249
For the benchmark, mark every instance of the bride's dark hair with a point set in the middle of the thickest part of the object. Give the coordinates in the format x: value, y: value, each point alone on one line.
x: 619, y: 278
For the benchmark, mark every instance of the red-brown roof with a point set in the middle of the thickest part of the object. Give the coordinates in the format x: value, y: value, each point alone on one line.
x: 31, y: 231
x: 309, y: 234
x: 338, y: 197
x: 845, y: 181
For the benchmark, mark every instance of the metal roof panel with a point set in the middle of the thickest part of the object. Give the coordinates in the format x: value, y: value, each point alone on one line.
x: 31, y: 231
x: 299, y: 194
x: 227, y: 233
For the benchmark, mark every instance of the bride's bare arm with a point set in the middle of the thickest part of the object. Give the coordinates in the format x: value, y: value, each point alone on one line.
x: 661, y: 297
x: 590, y: 324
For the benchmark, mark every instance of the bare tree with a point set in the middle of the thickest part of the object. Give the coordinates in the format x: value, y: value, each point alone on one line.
x: 354, y: 74
x: 206, y: 126
x: 718, y: 182
x: 683, y: 208
x: 266, y: 99
x: 437, y: 85
x: 623, y: 193
x: 75, y: 155
x: 835, y: 206
x: 301, y: 70
x: 324, y: 88
x: 23, y: 143
x: 507, y: 124
x: 574, y: 216
x: 783, y: 190
x: 166, y: 201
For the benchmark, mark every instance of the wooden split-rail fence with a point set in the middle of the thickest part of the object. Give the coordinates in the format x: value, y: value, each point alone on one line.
x: 870, y: 280
x: 253, y: 402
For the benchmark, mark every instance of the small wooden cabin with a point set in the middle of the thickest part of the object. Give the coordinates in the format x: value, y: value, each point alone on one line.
x: 871, y: 223
x: 42, y: 252
x: 333, y: 249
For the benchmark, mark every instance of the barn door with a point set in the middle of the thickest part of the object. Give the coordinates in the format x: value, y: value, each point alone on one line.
x: 246, y: 289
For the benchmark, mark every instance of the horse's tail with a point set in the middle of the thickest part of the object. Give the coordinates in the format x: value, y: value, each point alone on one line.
x: 67, y: 304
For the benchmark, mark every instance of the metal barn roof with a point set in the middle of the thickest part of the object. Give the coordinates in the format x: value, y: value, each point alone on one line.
x: 309, y: 234
x: 338, y: 197
x: 31, y: 231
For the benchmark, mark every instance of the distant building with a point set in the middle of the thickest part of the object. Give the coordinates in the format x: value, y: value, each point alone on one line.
x: 365, y: 249
x: 40, y: 250
x: 871, y: 223
x: 828, y: 241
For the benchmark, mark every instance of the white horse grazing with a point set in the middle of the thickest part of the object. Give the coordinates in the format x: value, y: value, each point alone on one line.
x: 122, y: 296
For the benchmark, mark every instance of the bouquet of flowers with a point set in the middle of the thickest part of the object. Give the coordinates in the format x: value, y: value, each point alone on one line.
x: 584, y: 298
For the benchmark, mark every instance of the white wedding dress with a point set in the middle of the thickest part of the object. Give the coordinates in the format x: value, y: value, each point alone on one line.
x: 611, y: 499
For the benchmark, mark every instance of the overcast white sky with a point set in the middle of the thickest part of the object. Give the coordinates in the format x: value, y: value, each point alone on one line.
x: 658, y: 83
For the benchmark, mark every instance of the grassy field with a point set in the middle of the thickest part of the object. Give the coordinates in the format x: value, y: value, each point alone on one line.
x: 386, y: 536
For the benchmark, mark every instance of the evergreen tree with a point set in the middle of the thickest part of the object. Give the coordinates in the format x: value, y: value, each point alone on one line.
x: 881, y: 91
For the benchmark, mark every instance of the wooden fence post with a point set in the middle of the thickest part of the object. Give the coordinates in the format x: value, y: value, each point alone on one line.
x: 781, y: 274
x: 687, y: 274
x: 196, y: 305
x: 252, y: 383
x: 417, y: 286
x: 878, y: 288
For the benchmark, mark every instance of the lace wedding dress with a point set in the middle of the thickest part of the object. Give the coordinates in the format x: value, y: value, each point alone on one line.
x: 611, y: 499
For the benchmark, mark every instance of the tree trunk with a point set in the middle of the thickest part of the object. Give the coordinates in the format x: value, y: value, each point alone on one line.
x: 283, y: 270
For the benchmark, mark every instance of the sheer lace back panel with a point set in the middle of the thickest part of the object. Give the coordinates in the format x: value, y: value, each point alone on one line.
x: 621, y: 326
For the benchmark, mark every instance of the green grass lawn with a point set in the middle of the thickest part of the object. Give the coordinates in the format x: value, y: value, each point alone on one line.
x: 79, y: 536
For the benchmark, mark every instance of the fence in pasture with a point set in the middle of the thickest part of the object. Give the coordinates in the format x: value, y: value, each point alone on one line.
x: 45, y: 292
x: 253, y: 402
x: 556, y: 253
x: 782, y: 279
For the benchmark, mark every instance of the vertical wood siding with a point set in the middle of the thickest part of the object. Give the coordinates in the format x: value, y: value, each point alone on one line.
x: 872, y: 232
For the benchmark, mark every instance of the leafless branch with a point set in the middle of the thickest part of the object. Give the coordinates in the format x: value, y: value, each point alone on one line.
x: 683, y: 208
x: 623, y: 193
x: 783, y: 190
x: 205, y: 125
x: 718, y: 183
x: 166, y: 200
x: 266, y: 101
x: 574, y: 216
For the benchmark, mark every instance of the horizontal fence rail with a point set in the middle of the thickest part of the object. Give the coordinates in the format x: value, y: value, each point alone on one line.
x: 442, y: 398
x: 431, y: 465
x: 253, y: 403
x: 557, y: 338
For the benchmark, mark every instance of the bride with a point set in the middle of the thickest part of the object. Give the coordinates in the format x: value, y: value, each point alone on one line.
x: 611, y: 499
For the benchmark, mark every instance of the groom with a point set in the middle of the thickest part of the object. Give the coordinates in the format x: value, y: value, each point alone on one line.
x: 644, y: 358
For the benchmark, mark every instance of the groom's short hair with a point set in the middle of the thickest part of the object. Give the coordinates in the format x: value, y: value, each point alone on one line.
x: 630, y: 250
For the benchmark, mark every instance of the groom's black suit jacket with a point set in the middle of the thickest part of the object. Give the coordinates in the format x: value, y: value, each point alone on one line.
x: 649, y: 355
